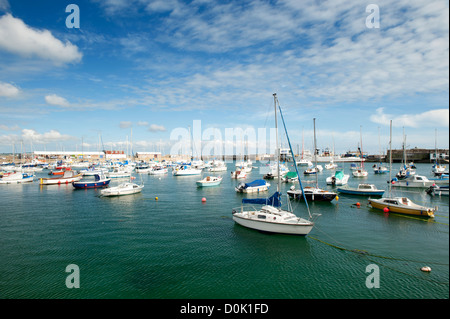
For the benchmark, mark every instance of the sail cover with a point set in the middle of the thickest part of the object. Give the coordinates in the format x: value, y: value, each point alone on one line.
x: 273, y: 200
x: 255, y: 183
x: 291, y: 175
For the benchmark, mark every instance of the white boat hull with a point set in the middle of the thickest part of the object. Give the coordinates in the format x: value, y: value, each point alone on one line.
x: 121, y: 191
x: 255, y: 189
x: 17, y: 181
x: 302, y: 228
x: 187, y: 172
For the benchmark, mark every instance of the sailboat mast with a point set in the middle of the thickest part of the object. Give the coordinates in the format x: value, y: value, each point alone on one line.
x: 315, y: 155
x: 362, y: 154
x: 390, y: 158
x: 277, y: 151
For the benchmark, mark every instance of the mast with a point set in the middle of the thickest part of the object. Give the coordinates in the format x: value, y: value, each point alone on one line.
x: 362, y: 154
x: 277, y: 151
x: 315, y: 156
x: 435, y: 148
x: 390, y: 159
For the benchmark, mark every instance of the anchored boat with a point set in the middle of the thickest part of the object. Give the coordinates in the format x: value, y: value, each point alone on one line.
x: 100, y: 181
x: 362, y: 189
x: 68, y: 177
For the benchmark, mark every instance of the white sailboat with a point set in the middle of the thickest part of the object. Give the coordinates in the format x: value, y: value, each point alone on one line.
x: 217, y: 166
x: 313, y: 193
x: 360, y: 171
x: 406, y: 170
x: 188, y: 170
x: 270, y: 217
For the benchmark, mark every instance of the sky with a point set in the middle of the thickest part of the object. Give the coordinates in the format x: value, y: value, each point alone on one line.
x: 145, y: 72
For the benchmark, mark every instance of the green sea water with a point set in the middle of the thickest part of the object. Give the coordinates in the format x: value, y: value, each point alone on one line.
x: 178, y: 247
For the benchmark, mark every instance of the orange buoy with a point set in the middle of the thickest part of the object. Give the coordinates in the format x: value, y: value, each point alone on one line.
x: 358, y: 204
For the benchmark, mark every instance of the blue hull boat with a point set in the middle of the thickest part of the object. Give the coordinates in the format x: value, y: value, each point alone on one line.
x: 100, y: 181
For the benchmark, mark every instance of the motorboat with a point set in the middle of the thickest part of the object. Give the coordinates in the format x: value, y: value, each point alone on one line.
x: 416, y: 181
x: 142, y: 168
x: 401, y: 205
x: 360, y: 172
x: 186, y: 170
x: 338, y: 179
x: 126, y: 188
x: 362, y: 189
x: 290, y: 177
x: 239, y: 174
x: 313, y: 170
x: 273, y: 171
x: 380, y: 169
x: 245, y: 165
x: 158, y: 170
x: 100, y: 181
x: 438, y: 190
x: 331, y: 165
x: 68, y: 177
x: 92, y: 171
x: 209, y: 181
x: 16, y: 178
x: 119, y: 172
x: 217, y: 166
x: 256, y: 186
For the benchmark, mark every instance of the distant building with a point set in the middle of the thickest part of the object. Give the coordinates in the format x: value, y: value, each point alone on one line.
x: 148, y: 156
x: 113, y: 155
x: 418, y: 155
x: 68, y: 154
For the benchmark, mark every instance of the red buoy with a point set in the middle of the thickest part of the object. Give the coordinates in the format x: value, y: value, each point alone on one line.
x: 386, y: 210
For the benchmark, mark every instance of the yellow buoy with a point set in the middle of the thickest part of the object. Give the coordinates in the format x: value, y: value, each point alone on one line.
x: 337, y: 197
x: 156, y: 198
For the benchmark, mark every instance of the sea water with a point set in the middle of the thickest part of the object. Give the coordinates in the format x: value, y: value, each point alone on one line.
x: 178, y: 247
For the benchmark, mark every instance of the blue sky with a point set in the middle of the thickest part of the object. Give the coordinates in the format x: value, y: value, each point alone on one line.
x: 151, y: 67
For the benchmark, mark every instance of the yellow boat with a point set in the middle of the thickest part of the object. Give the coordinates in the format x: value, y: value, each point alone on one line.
x: 402, y: 205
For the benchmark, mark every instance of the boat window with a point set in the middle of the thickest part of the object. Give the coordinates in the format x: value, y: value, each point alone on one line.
x: 262, y: 216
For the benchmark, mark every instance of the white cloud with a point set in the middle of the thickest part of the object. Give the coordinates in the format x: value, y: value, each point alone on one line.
x: 8, y: 90
x: 56, y: 100
x: 29, y: 135
x: 125, y: 124
x: 432, y: 118
x: 156, y: 128
x: 42, y: 138
x: 9, y: 128
x: 18, y: 38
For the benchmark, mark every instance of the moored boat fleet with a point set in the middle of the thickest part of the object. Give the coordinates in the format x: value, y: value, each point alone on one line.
x: 270, y: 217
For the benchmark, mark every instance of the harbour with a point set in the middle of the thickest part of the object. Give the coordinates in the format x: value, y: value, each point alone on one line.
x: 219, y: 158
x: 178, y: 246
